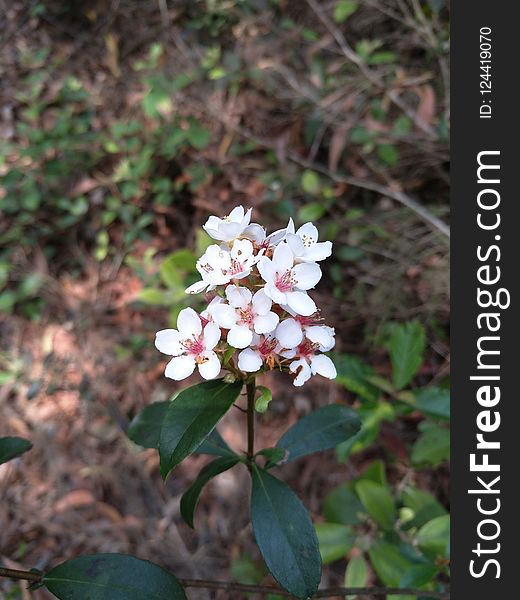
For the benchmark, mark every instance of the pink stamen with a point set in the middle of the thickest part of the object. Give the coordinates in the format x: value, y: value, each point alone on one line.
x: 285, y: 281
x: 307, y: 349
x: 246, y: 316
x: 194, y: 346
x: 266, y: 347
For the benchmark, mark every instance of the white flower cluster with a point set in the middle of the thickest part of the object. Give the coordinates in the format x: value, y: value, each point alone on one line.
x: 259, y: 308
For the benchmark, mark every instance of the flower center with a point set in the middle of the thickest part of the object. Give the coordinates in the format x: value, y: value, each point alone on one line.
x: 246, y: 316
x: 285, y: 281
x: 195, y: 345
x: 308, y: 240
x: 307, y: 349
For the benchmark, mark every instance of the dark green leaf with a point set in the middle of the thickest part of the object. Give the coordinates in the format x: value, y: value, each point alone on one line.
x: 434, y: 402
x: 145, y: 428
x: 343, y: 506
x: 320, y: 430
x: 191, y: 417
x: 376, y: 471
x: 214, y: 445
x: 354, y: 374
x: 11, y: 447
x: 418, y: 576
x: 389, y: 563
x: 432, y: 447
x: 378, y: 501
x: 406, y: 347
x: 114, y: 577
x: 335, y: 541
x: 190, y: 497
x: 273, y: 456
x: 285, y: 535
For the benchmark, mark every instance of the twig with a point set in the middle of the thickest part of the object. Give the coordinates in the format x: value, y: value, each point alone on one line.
x: 251, y: 390
x: 260, y: 589
x: 366, y: 71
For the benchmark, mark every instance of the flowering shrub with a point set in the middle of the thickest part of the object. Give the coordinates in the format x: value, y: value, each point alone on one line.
x: 259, y: 306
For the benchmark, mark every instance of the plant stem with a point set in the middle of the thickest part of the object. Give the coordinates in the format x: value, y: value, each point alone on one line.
x: 17, y: 574
x: 251, y: 389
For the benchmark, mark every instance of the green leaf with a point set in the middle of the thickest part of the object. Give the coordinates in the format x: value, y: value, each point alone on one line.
x: 154, y: 297
x: 285, y: 535
x: 262, y: 402
x: 310, y: 182
x: 406, y: 347
x: 424, y: 506
x: 343, y: 10
x: 191, y: 417
x: 432, y: 447
x: 114, y: 576
x: 434, y: 402
x: 376, y: 471
x: 190, y: 497
x: 356, y: 574
x: 335, y: 541
x: 418, y: 576
x: 214, y: 445
x: 389, y: 563
x: 145, y: 428
x: 434, y: 537
x: 170, y: 273
x: 311, y: 212
x: 379, y: 503
x: 11, y: 447
x: 198, y: 136
x: 354, y: 374
x: 273, y: 456
x: 343, y: 506
x: 320, y: 430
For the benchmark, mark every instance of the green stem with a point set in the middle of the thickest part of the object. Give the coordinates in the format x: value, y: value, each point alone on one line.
x: 251, y: 389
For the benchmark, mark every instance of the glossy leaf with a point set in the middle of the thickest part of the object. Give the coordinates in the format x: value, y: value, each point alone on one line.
x: 335, y: 541
x: 320, y: 430
x: 145, y: 428
x: 285, y: 535
x: 191, y: 417
x: 418, y: 576
x: 113, y: 576
x: 379, y: 503
x: 215, y: 445
x: 434, y: 537
x: 190, y: 497
x: 406, y: 347
x: 11, y: 447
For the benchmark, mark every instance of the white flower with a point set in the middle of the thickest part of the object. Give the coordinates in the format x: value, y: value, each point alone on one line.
x: 286, y: 283
x: 305, y: 246
x: 290, y: 333
x: 257, y: 234
x: 262, y: 350
x: 218, y: 266
x: 314, y: 365
x: 244, y: 315
x: 230, y: 227
x: 191, y: 345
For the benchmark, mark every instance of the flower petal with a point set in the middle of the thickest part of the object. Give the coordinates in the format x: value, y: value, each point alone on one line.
x: 254, y: 232
x: 237, y: 214
x: 188, y: 322
x: 308, y: 233
x: 283, y: 258
x: 224, y: 315
x: 322, y: 365
x: 211, y: 335
x: 266, y: 323
x: 304, y: 371
x: 197, y: 287
x: 168, y: 341
x: 239, y: 336
x: 296, y: 244
x: 275, y: 294
x: 180, y: 367
x: 301, y: 303
x: 238, y: 297
x: 289, y: 333
x: 322, y: 335
x: 261, y: 303
x: 249, y: 361
x: 210, y: 368
x: 317, y: 252
x: 306, y: 275
x: 266, y: 269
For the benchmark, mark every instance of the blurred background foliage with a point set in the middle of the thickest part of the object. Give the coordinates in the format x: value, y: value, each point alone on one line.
x: 124, y: 123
